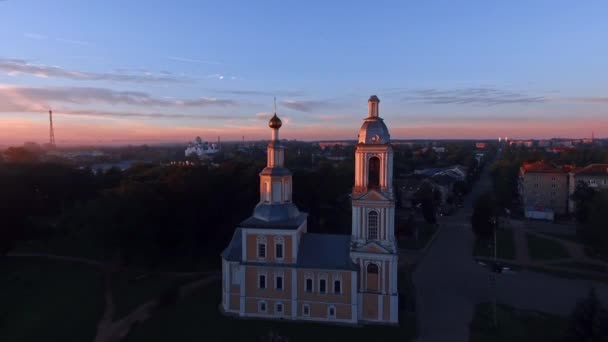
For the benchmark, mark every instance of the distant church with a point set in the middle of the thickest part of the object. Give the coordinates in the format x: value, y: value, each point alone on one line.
x: 274, y: 269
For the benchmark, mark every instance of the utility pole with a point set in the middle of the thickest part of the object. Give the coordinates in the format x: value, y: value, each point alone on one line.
x: 51, y: 131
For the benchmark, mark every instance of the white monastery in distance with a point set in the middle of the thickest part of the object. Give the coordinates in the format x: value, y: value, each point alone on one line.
x: 273, y: 268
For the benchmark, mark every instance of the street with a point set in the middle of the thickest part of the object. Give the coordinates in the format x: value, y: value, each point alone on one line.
x: 449, y: 283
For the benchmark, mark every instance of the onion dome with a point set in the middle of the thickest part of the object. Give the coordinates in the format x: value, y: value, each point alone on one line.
x: 275, y: 122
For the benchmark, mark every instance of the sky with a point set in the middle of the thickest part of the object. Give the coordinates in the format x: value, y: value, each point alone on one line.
x: 117, y: 72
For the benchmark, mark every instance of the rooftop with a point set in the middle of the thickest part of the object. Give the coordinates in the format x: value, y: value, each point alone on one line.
x: 541, y: 166
x: 325, y: 251
x: 593, y: 170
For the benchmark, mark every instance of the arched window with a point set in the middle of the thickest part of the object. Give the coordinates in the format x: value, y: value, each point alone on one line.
x: 373, y: 180
x: 372, y: 225
x: 372, y: 269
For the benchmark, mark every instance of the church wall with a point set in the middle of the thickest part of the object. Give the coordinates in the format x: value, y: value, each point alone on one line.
x: 344, y: 298
x: 235, y: 302
x: 251, y: 307
x: 252, y: 248
x: 251, y: 278
x: 370, y: 306
x: 386, y: 308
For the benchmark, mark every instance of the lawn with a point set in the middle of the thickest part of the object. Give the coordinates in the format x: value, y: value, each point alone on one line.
x: 48, y: 300
x: 197, y: 318
x: 545, y: 249
x: 506, y: 245
x: 515, y: 325
x: 63, y: 301
x: 131, y: 289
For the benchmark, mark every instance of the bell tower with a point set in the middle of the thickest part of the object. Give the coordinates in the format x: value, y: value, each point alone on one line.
x: 373, y: 245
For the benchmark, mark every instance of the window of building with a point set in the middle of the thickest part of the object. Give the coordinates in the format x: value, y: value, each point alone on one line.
x: 279, y: 282
x: 261, y: 281
x: 536, y: 185
x: 306, y: 310
x: 553, y: 186
x: 331, y: 311
x: 262, y: 306
x: 553, y: 179
x: 337, y: 286
x: 322, y: 285
x: 261, y: 247
x: 372, y: 225
x: 309, y: 286
x: 374, y: 173
x: 552, y: 193
x: 278, y: 308
x: 279, y: 242
x: 372, y: 269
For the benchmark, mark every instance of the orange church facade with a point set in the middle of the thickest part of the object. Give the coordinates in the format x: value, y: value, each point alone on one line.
x: 273, y: 268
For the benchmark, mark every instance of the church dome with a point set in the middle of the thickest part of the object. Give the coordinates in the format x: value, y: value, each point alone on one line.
x: 275, y: 122
x: 374, y: 131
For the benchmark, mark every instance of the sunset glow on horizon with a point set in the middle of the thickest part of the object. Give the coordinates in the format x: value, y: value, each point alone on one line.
x: 441, y: 71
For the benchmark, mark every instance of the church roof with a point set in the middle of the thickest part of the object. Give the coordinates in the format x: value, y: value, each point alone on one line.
x: 374, y: 131
x: 325, y: 251
x: 234, y: 251
x: 290, y: 223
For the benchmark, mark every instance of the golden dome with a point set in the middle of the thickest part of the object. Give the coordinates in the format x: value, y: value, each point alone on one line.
x: 275, y: 122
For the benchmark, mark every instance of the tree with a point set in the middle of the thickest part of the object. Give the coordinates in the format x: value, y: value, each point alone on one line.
x: 589, y: 321
x: 21, y: 155
x: 593, y: 231
x: 583, y: 196
x: 428, y: 198
x: 483, y: 220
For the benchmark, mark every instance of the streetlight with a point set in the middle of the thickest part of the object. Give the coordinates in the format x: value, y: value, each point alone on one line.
x: 495, y: 269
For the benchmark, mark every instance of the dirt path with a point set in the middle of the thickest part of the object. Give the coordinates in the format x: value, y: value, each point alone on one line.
x: 109, y: 330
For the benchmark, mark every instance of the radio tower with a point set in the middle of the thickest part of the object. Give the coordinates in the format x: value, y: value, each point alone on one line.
x: 52, y: 131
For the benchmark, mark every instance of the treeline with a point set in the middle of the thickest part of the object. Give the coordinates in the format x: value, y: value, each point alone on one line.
x: 153, y: 215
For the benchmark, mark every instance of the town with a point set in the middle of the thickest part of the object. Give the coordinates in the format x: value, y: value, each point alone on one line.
x: 301, y: 171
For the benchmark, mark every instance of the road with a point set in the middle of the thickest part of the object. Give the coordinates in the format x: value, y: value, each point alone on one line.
x: 450, y: 283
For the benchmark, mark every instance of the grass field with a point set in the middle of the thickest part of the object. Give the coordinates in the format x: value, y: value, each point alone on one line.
x: 545, y: 249
x: 48, y: 300
x: 506, y: 245
x: 63, y: 301
x: 197, y: 318
x: 515, y: 325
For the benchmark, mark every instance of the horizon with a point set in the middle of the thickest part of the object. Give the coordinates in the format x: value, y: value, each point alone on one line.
x: 165, y: 73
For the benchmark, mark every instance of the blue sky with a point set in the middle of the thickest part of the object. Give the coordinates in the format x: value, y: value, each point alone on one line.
x: 168, y: 70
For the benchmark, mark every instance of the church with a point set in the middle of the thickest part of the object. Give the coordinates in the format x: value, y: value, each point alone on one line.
x: 274, y: 269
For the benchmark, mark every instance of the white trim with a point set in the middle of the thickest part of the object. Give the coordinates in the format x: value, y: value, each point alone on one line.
x: 244, y: 246
x: 333, y: 290
x: 277, y: 275
x: 260, y: 302
x: 294, y: 292
x: 261, y: 241
x: 309, y: 276
x: 394, y: 309
x: 380, y: 306
x: 305, y: 306
x: 322, y: 276
x: 329, y: 309
x: 276, y: 309
x: 279, y: 241
x: 260, y: 274
x: 295, y: 242
x: 353, y: 295
x: 376, y: 256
